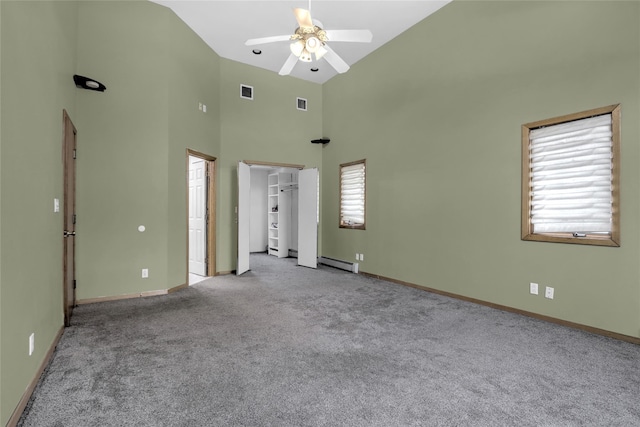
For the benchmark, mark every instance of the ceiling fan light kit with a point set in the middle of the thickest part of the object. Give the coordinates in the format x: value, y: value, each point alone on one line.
x: 297, y: 47
x: 310, y: 39
x: 320, y: 52
x: 313, y: 44
x: 305, y: 56
x: 307, y: 41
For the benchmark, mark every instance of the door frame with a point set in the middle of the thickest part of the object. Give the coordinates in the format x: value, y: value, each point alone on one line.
x: 272, y: 164
x: 69, y: 146
x: 210, y: 252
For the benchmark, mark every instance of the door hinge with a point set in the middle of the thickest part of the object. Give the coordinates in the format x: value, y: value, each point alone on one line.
x: 74, y: 283
x: 74, y: 153
x: 74, y: 219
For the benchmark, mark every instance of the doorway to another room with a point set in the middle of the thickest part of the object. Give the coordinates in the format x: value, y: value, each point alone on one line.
x: 201, y: 217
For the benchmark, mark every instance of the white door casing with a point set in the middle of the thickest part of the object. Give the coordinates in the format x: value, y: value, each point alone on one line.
x: 308, y: 218
x: 197, y: 216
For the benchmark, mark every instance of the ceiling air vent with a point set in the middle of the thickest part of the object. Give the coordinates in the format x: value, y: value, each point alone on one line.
x: 246, y: 92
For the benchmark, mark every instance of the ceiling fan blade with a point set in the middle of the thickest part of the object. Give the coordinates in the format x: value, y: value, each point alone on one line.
x: 303, y: 17
x: 362, y: 36
x: 264, y: 40
x: 288, y: 65
x: 335, y: 61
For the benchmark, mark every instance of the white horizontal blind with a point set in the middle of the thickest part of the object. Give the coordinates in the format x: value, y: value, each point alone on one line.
x: 352, y: 191
x: 571, y: 176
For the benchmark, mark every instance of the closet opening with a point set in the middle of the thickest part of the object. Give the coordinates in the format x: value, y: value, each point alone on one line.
x: 277, y: 212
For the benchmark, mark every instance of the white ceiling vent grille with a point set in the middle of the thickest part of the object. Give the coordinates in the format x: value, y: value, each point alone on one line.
x: 246, y: 92
x: 301, y: 104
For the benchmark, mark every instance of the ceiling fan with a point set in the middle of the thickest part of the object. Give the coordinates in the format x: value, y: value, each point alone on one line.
x: 309, y: 40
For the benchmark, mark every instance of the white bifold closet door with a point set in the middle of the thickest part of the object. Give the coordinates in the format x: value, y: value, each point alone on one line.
x: 308, y: 218
x: 244, y: 217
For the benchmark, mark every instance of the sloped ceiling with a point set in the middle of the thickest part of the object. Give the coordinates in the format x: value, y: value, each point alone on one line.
x: 226, y: 25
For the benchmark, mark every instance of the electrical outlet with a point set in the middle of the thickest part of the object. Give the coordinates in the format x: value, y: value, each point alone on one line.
x: 533, y: 288
x: 145, y: 273
x: 32, y: 343
x: 548, y: 292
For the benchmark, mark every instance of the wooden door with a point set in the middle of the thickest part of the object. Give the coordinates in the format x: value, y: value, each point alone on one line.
x: 308, y: 218
x: 69, y: 222
x: 197, y: 216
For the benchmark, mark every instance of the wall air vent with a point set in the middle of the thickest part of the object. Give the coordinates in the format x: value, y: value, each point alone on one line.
x: 246, y: 92
x: 301, y: 104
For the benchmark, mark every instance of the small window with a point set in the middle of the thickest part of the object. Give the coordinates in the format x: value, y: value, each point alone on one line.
x: 570, y: 178
x: 246, y: 92
x: 352, y: 195
x: 301, y: 104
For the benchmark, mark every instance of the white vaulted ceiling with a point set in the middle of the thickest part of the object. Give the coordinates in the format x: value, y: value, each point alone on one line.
x: 226, y: 25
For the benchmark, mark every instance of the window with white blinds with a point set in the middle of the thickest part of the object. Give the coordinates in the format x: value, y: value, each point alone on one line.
x: 572, y: 178
x: 352, y: 195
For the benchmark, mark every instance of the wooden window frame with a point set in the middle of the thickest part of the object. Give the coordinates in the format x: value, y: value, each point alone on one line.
x: 364, y: 223
x: 612, y: 239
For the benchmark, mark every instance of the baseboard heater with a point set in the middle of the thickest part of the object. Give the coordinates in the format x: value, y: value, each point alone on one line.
x: 342, y: 265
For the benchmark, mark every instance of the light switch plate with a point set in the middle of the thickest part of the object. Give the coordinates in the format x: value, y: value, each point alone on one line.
x: 548, y: 292
x: 32, y: 343
x: 533, y: 288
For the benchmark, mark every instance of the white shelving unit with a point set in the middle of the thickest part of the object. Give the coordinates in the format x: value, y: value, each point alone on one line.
x: 279, y: 213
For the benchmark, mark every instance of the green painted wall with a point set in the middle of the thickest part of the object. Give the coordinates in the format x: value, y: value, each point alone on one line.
x: 1, y: 402
x: 194, y: 74
x: 132, y: 144
x: 123, y: 137
x: 269, y: 129
x: 38, y: 62
x: 437, y: 114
